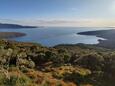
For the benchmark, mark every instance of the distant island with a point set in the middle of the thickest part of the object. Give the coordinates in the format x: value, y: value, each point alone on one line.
x: 5, y: 25
x: 6, y: 35
x: 109, y: 35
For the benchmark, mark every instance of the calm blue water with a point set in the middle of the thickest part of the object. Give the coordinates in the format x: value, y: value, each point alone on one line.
x: 51, y: 36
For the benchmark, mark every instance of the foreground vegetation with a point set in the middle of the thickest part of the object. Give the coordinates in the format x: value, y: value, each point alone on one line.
x: 27, y: 64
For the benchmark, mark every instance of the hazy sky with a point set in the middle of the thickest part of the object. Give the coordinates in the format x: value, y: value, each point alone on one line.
x: 58, y: 12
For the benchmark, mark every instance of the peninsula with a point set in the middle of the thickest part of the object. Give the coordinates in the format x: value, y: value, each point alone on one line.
x: 108, y: 35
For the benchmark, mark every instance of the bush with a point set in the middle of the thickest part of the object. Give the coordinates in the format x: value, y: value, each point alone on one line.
x: 14, y: 80
x: 92, y: 61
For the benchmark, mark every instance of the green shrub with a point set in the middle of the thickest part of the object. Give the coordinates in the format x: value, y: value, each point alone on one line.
x: 17, y: 81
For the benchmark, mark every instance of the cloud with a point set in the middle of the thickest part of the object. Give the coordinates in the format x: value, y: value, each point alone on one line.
x: 70, y: 23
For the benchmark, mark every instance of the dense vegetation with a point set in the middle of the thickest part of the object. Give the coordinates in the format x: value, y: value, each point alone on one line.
x: 27, y: 64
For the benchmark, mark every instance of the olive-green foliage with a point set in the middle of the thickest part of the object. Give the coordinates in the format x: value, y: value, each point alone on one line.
x: 99, y: 60
x: 76, y: 78
x: 14, y: 80
x: 25, y: 56
x: 92, y: 61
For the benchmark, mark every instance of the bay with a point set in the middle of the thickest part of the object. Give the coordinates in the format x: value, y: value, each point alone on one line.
x: 51, y: 36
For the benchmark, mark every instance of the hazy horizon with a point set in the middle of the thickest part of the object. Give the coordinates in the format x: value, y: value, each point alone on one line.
x: 75, y: 13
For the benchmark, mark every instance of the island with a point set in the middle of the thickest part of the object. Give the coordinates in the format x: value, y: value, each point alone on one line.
x: 5, y: 25
x: 108, y: 35
x: 7, y: 35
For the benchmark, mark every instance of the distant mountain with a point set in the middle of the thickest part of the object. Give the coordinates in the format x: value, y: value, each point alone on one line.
x: 3, y: 25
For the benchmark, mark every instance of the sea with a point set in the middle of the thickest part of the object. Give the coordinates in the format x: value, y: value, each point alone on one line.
x: 51, y: 36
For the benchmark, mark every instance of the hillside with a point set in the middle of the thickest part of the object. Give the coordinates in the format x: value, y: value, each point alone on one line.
x: 3, y: 25
x: 28, y: 64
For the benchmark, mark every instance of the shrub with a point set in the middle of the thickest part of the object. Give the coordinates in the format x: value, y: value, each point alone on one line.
x: 92, y: 61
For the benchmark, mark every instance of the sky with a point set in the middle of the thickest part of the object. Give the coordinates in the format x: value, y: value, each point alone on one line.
x: 76, y: 13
